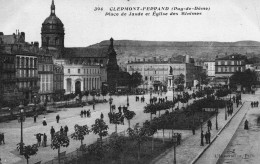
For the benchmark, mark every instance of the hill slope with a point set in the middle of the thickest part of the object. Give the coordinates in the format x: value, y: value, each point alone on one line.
x: 201, y: 51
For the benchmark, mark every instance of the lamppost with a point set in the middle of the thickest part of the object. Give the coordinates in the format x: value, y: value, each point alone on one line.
x: 201, y: 136
x: 110, y: 101
x: 216, y: 110
x: 174, y: 139
x: 21, y: 119
x: 172, y: 89
x: 94, y: 93
x: 225, y: 110
x: 127, y: 99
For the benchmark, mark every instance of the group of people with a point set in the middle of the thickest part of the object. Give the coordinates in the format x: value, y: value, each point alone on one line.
x: 162, y: 100
x: 85, y: 113
x: 207, y: 135
x: 40, y: 141
x: 120, y: 109
x: 137, y: 99
x: 254, y: 104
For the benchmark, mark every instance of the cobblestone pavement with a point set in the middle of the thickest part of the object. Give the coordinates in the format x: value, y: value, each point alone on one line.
x: 244, y: 148
x: 190, y: 147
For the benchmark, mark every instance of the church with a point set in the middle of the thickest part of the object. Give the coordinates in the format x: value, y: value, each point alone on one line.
x: 85, y: 68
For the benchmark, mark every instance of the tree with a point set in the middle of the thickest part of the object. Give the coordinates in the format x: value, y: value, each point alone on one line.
x: 104, y: 92
x: 137, y: 134
x: 180, y: 81
x: 162, y: 122
x: 80, y: 132
x: 115, y: 119
x: 135, y: 79
x: 29, y: 150
x: 117, y: 145
x: 59, y: 140
x: 129, y: 115
x: 97, y: 150
x: 246, y: 79
x: 100, y: 128
x: 150, y: 128
x: 86, y: 94
x: 203, y: 78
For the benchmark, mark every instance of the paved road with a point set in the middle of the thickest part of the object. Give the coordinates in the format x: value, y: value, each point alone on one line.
x: 244, y: 147
x: 214, y: 152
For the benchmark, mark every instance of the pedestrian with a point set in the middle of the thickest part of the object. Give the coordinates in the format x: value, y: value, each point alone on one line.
x: 61, y: 129
x: 66, y: 129
x: 52, y: 133
x: 209, y: 124
x: 193, y: 130
x: 206, y: 137
x: 58, y: 118
x: 209, y: 135
x: 166, y: 98
x: 85, y: 112
x: 44, y: 140
x: 34, y: 118
x: 246, y: 125
x: 201, y: 138
x: 120, y: 109
x: 0, y: 161
x: 44, y: 122
x: 39, y: 139
x: 81, y: 113
x: 101, y: 116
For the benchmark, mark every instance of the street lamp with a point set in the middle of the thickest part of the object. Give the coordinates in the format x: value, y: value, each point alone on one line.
x: 127, y: 99
x: 216, y: 118
x: 110, y: 102
x: 172, y: 89
x: 21, y: 119
x: 174, y: 139
x: 201, y: 136
x: 225, y: 110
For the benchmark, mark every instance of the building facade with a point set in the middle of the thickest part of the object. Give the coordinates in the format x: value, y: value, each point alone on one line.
x: 227, y: 66
x: 156, y: 72
x: 45, y: 74
x: 58, y: 82
x: 8, y: 90
x: 210, y: 68
x: 27, y: 74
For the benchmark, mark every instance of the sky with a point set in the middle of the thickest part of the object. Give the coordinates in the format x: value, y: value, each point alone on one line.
x: 227, y: 20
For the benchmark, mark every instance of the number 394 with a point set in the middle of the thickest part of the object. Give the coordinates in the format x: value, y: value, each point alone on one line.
x: 98, y: 9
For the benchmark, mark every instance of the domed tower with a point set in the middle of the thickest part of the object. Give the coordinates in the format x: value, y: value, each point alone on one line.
x: 53, y: 31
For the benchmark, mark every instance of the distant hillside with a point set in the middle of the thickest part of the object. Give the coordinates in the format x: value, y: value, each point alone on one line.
x: 201, y: 51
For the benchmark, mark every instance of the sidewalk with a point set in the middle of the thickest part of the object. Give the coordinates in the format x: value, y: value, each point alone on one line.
x: 190, y: 146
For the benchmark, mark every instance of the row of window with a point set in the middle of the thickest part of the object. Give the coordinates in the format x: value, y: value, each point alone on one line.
x: 25, y: 62
x: 229, y: 69
x: 229, y: 62
x: 85, y: 71
x: 46, y: 84
x: 26, y: 73
x: 45, y: 67
x: 26, y: 84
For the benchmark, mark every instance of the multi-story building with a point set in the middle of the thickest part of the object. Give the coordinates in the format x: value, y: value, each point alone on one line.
x: 58, y: 82
x: 227, y: 66
x: 45, y: 74
x: 8, y: 90
x: 27, y: 74
x: 80, y: 77
x: 155, y: 73
x: 210, y: 68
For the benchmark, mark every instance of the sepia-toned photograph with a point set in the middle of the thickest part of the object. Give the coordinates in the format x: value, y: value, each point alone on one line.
x: 129, y: 82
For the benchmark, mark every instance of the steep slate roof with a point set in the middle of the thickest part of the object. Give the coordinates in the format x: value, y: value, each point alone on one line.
x: 8, y: 39
x: 85, y: 52
x: 233, y: 57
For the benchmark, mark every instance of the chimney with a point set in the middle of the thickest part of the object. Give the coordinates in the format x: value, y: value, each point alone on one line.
x: 23, y: 36
x: 36, y: 46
